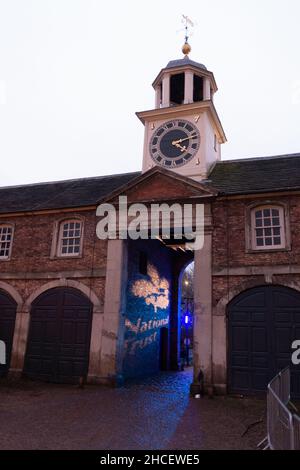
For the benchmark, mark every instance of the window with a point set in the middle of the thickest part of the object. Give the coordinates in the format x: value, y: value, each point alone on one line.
x: 216, y: 143
x: 70, y: 238
x: 198, y: 89
x: 177, y: 89
x: 6, y: 236
x: 268, y: 228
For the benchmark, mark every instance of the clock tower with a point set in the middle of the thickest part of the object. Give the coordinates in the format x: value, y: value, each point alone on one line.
x: 183, y: 133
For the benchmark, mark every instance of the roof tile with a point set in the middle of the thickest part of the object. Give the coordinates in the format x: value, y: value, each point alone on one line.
x: 231, y: 177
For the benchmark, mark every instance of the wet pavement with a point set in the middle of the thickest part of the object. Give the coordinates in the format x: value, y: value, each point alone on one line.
x: 154, y: 413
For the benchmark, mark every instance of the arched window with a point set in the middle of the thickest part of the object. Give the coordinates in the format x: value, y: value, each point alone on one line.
x: 70, y: 238
x: 268, y: 228
x: 6, y: 239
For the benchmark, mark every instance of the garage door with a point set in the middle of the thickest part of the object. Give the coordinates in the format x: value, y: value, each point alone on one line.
x: 263, y: 323
x: 8, y: 308
x: 59, y: 336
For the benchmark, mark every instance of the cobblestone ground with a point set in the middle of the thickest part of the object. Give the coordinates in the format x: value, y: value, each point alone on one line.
x: 156, y: 413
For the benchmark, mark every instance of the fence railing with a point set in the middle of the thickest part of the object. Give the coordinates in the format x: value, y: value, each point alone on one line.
x: 283, y: 425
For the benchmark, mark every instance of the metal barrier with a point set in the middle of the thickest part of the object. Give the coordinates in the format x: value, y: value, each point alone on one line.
x: 283, y: 425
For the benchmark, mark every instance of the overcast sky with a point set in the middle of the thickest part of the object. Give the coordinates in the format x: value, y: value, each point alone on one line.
x: 74, y: 72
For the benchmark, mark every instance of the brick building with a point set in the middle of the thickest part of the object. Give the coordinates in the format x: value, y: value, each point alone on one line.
x: 75, y: 307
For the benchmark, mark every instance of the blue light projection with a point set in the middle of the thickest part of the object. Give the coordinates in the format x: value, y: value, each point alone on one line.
x: 147, y: 311
x: 154, y: 291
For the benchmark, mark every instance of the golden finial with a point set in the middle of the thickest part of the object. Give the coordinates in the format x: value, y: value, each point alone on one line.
x: 186, y: 48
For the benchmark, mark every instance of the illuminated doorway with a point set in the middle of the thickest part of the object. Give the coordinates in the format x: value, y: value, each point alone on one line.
x: 153, y: 317
x: 186, y: 315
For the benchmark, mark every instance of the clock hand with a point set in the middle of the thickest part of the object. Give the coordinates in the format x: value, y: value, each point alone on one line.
x: 182, y: 148
x: 182, y: 140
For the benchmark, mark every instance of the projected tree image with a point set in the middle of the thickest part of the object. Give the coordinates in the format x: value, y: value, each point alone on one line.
x: 155, y: 291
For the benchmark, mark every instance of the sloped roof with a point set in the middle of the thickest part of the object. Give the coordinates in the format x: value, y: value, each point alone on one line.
x: 232, y: 177
x: 60, y: 194
x: 183, y: 62
x: 257, y: 175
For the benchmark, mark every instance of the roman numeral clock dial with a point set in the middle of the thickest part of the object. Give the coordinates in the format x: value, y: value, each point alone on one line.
x: 175, y: 143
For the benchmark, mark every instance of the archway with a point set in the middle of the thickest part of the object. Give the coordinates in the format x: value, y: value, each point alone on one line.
x: 186, y: 314
x: 66, y: 283
x: 151, y: 307
x: 59, y: 336
x: 263, y: 322
x: 8, y: 310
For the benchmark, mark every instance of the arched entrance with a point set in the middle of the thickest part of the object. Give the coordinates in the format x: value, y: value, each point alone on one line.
x: 186, y: 314
x: 59, y: 336
x: 263, y: 322
x: 8, y: 309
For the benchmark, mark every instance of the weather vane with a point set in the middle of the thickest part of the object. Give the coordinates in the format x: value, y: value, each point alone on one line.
x: 188, y: 24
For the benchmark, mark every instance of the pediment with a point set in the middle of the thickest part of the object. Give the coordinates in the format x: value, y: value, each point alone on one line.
x: 159, y: 185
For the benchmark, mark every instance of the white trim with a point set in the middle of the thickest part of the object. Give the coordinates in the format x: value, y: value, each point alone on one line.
x: 271, y: 228
x: 65, y: 227
x: 10, y: 226
x: 284, y: 225
x: 56, y: 247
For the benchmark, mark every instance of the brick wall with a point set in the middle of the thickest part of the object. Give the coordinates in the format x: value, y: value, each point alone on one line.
x: 230, y: 250
x: 31, y: 265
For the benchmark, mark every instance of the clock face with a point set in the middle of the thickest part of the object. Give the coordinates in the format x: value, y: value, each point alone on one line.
x: 174, y: 143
